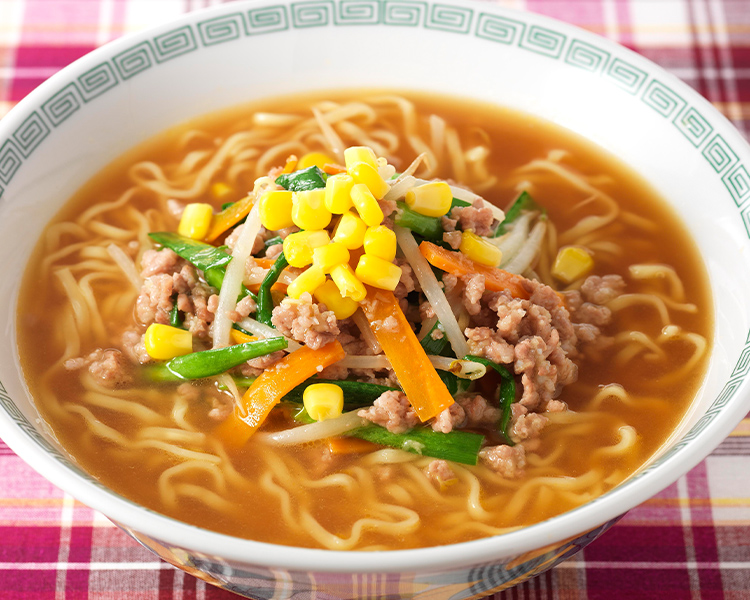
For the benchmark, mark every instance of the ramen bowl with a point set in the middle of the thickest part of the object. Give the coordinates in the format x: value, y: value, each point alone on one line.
x: 109, y: 101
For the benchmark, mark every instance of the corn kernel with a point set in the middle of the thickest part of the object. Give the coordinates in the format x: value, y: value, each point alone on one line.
x: 317, y: 159
x: 309, y: 210
x: 480, y: 250
x: 221, y: 190
x: 338, y: 189
x: 298, y: 247
x: 329, y: 294
x: 347, y: 283
x: 307, y: 281
x: 381, y: 242
x: 350, y: 231
x: 364, y: 173
x: 164, y: 341
x: 377, y: 272
x: 366, y: 205
x: 432, y: 199
x: 572, y: 262
x: 275, y: 210
x: 195, y: 220
x: 323, y: 400
x: 330, y: 255
x: 360, y: 154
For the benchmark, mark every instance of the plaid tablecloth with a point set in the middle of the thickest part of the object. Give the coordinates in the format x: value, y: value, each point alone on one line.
x: 692, y: 541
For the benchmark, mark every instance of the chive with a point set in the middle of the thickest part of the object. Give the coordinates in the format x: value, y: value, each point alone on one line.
x: 273, y: 241
x: 434, y: 346
x: 203, y: 256
x: 429, y: 228
x: 507, y: 393
x: 174, y: 316
x: 460, y: 203
x: 520, y: 204
x: 198, y: 365
x: 265, y: 301
x: 456, y: 446
x: 311, y: 178
x: 356, y: 393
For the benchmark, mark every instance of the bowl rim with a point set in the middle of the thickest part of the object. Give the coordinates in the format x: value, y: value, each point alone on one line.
x: 565, y: 526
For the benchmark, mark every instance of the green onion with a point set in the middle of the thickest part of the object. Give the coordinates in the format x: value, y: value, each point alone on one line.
x: 520, y: 204
x: 311, y: 178
x: 429, y: 228
x: 265, y: 301
x: 460, y: 203
x: 432, y: 346
x: 507, y: 393
x: 174, y: 316
x: 198, y: 365
x: 456, y: 446
x: 273, y: 241
x: 203, y: 256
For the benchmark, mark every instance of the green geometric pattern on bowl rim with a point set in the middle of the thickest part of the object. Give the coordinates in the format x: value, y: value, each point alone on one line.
x: 455, y: 19
x: 357, y: 12
x: 542, y: 41
x: 408, y: 13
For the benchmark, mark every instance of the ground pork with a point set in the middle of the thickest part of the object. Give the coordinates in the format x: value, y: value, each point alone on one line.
x: 473, y: 291
x: 600, y: 290
x: 109, y: 367
x: 508, y: 461
x: 258, y: 244
x: 392, y: 411
x: 303, y: 320
x: 489, y: 344
x: 478, y: 218
x: 525, y: 425
x: 453, y: 417
x: 274, y: 250
x: 244, y: 308
x: 440, y: 472
x: 158, y: 262
x: 154, y: 301
x: 407, y: 282
x: 479, y: 411
x: 453, y: 238
x: 134, y: 346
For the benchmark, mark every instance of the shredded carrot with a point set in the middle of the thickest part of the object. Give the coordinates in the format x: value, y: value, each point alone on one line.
x: 230, y: 216
x: 240, y: 338
x: 495, y: 279
x: 271, y: 386
x: 290, y: 165
x: 333, y: 169
x: 423, y: 387
x: 350, y: 445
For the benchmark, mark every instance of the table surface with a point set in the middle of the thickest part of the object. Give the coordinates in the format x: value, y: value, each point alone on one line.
x: 691, y: 541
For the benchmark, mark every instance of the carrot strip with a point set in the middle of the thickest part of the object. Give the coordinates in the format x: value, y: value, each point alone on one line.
x: 272, y: 385
x: 350, y: 445
x: 423, y: 387
x: 240, y: 338
x: 457, y: 263
x: 289, y: 165
x: 333, y: 169
x: 230, y: 216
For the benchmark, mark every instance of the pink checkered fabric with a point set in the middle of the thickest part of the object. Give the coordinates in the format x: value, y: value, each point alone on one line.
x: 690, y: 542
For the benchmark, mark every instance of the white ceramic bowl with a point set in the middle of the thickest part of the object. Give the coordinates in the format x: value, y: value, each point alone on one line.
x: 105, y: 103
